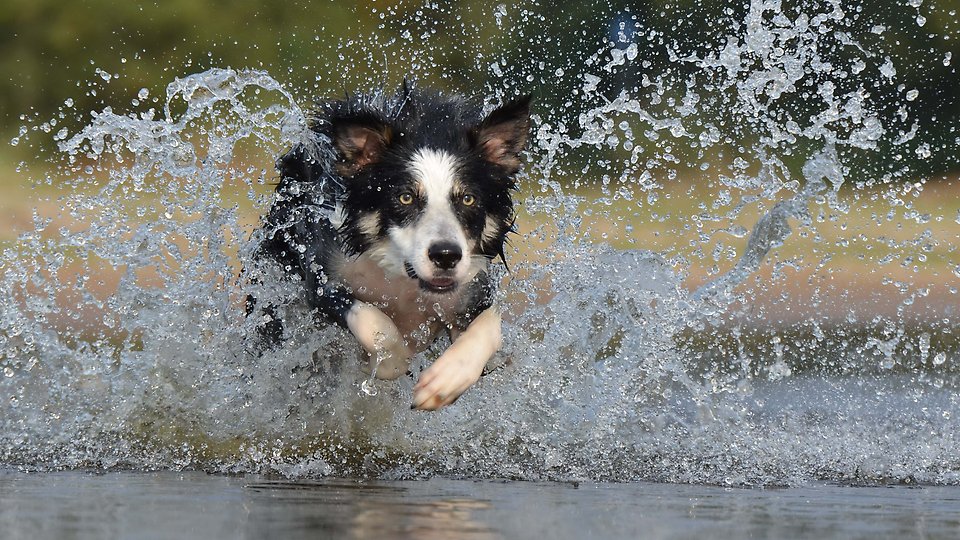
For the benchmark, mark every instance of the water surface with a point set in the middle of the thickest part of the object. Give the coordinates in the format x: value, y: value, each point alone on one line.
x: 198, y: 505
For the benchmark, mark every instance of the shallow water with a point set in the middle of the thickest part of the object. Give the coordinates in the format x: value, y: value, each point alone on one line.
x: 197, y: 505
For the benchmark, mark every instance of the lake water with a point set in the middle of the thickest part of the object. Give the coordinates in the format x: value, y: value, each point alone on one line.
x: 145, y: 505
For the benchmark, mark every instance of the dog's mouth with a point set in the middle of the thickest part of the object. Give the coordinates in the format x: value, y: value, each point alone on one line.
x: 438, y: 284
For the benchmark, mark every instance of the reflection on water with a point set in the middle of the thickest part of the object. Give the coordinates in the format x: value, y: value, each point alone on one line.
x: 197, y: 505
x: 379, y: 510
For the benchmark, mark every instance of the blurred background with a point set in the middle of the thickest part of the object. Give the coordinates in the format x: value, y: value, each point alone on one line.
x: 52, y: 51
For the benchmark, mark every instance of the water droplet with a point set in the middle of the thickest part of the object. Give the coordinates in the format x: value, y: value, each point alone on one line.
x: 887, y: 69
x: 368, y: 387
x: 924, y: 346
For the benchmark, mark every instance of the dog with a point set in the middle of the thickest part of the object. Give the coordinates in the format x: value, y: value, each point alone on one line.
x: 390, y: 217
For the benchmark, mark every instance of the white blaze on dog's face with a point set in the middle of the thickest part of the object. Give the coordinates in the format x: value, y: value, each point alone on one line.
x: 434, y: 246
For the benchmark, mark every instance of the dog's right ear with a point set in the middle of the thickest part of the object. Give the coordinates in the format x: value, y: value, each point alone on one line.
x: 361, y: 142
x: 502, y: 135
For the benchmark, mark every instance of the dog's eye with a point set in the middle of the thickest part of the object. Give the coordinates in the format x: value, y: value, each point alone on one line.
x: 406, y: 198
x: 468, y: 199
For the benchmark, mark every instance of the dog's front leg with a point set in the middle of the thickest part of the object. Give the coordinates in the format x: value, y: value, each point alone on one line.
x: 379, y: 336
x: 461, y: 365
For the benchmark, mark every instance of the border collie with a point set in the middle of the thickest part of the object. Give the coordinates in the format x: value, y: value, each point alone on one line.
x: 390, y: 217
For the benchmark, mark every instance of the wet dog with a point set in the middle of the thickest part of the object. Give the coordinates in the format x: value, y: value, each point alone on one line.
x: 390, y: 217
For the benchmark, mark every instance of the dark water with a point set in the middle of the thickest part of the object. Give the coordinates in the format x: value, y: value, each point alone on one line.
x: 197, y: 505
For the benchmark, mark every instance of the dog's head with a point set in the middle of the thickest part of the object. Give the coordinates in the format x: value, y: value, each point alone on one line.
x: 427, y: 181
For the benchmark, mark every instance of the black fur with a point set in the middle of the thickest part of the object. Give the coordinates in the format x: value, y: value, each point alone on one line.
x: 356, y: 159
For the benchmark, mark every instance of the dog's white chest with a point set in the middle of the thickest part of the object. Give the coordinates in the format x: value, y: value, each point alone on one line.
x: 416, y: 313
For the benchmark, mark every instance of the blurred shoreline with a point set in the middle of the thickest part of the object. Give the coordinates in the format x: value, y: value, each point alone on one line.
x: 837, y: 279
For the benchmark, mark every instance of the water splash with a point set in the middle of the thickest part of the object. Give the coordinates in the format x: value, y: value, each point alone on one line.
x: 123, y: 341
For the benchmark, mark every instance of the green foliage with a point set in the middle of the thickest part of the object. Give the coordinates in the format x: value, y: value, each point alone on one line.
x: 51, y: 50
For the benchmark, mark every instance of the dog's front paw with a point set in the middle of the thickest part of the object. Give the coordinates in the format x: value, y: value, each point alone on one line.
x: 380, y: 338
x: 449, y: 377
x: 461, y: 365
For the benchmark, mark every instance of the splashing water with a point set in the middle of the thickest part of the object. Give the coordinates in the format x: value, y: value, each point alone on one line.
x: 123, y: 341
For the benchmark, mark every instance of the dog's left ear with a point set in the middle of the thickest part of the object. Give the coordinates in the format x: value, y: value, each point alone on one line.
x: 502, y: 135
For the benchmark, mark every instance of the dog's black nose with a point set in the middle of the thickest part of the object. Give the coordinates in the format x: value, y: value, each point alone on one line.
x: 445, y: 255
